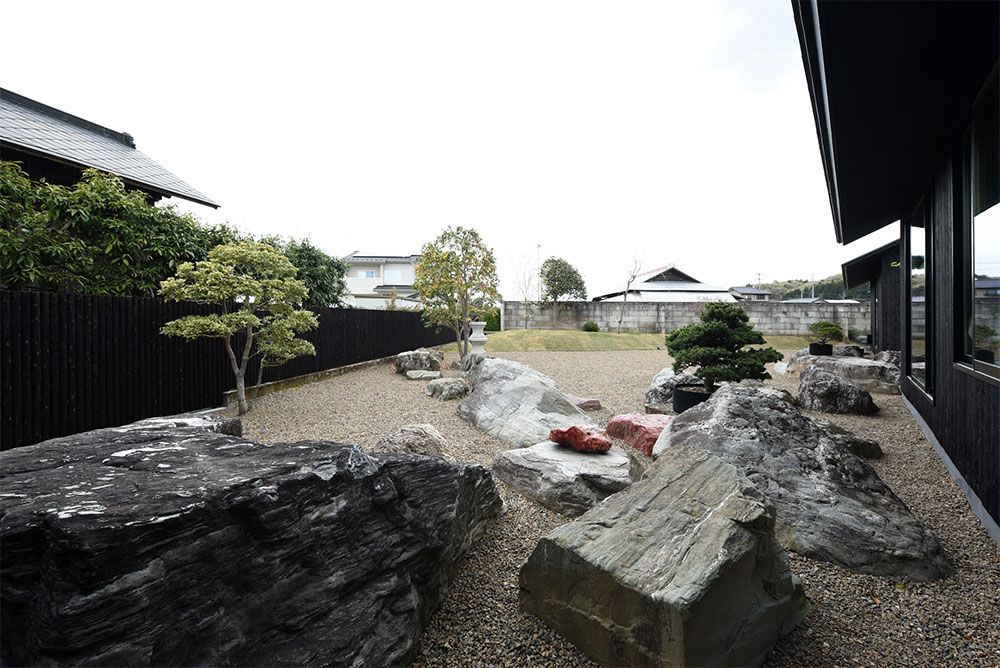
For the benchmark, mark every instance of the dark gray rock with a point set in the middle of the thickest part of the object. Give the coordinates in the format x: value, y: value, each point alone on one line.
x: 152, y: 544
x: 583, y: 403
x: 413, y: 439
x: 562, y: 479
x: 517, y: 404
x: 862, y: 447
x: 659, y: 409
x: 470, y: 365
x: 680, y: 569
x: 420, y: 359
x: 831, y: 505
x: 822, y: 390
x: 447, y: 388
x: 661, y: 390
x: 848, y: 350
x: 892, y: 357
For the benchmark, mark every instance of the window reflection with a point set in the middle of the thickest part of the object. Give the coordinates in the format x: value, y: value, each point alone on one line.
x: 918, y: 359
x: 985, y: 321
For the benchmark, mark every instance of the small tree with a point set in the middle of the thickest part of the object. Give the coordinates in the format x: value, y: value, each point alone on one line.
x: 322, y: 274
x: 457, y: 281
x: 629, y: 280
x: 825, y: 331
x: 717, y: 346
x: 560, y: 278
x: 256, y: 288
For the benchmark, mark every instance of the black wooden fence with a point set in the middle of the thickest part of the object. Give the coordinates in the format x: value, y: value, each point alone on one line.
x: 70, y: 363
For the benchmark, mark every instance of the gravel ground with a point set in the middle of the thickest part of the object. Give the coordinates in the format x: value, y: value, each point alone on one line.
x: 855, y: 620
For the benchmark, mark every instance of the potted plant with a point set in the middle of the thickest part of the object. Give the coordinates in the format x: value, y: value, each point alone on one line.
x: 985, y: 349
x: 823, y: 332
x: 718, y: 347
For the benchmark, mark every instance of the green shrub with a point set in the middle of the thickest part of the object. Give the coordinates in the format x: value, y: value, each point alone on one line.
x: 716, y: 345
x: 591, y: 327
x: 493, y: 320
x: 853, y: 334
x: 825, y: 331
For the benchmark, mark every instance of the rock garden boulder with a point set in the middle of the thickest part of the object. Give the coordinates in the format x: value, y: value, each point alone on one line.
x: 414, y: 439
x: 517, y: 404
x: 470, y: 365
x: 640, y: 430
x: 420, y: 359
x: 893, y: 357
x: 582, y: 403
x: 822, y: 390
x: 562, y: 479
x: 581, y: 439
x: 680, y: 569
x: 447, y: 388
x: 862, y: 447
x: 164, y: 545
x: 831, y: 505
x: 661, y: 390
x: 422, y: 375
x: 872, y: 375
x: 848, y: 350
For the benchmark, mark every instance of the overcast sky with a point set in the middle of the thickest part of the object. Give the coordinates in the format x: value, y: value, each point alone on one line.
x: 664, y: 132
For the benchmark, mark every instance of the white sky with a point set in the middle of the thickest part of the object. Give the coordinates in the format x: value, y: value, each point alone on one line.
x: 669, y: 132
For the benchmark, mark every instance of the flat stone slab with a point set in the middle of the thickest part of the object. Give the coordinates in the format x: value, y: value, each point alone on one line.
x: 680, y: 569
x: 880, y: 377
x: 422, y: 375
x: 562, y: 479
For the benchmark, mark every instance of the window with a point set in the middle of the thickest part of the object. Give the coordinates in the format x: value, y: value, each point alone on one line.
x: 393, y: 276
x: 980, y: 247
x: 920, y: 338
x: 366, y: 273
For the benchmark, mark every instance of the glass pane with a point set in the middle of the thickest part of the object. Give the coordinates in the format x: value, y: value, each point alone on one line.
x: 986, y: 228
x: 918, y: 298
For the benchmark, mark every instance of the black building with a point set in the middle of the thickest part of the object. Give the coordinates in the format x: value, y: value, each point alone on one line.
x: 905, y: 99
x: 880, y: 268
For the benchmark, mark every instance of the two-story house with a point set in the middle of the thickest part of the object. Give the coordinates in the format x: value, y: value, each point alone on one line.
x: 373, y: 281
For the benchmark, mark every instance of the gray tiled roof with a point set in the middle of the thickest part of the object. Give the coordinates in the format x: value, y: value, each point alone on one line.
x: 37, y: 128
x: 751, y: 291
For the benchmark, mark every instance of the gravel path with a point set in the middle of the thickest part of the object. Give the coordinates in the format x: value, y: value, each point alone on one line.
x: 855, y: 620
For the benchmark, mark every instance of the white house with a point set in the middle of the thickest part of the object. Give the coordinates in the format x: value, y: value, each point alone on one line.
x: 373, y: 279
x: 668, y: 284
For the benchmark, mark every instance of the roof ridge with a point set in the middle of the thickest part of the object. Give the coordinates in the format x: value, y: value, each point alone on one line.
x: 121, y: 137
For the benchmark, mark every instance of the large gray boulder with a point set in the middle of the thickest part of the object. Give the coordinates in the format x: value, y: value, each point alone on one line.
x: 413, y: 439
x: 848, y: 350
x: 680, y: 569
x: 661, y: 390
x: 831, y: 505
x: 562, y: 479
x: 893, y: 357
x: 470, y: 365
x: 822, y: 390
x: 517, y: 404
x: 420, y: 359
x: 872, y: 375
x: 447, y: 388
x: 153, y: 544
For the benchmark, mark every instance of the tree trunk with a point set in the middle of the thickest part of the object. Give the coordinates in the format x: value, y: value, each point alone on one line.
x: 555, y: 314
x: 458, y: 338
x: 621, y: 314
x: 241, y: 394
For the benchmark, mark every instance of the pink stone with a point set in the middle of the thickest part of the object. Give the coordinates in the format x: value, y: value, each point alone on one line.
x: 583, y: 404
x: 581, y: 439
x: 640, y: 430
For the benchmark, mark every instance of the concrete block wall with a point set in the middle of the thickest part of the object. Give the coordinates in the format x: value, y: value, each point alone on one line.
x: 766, y: 317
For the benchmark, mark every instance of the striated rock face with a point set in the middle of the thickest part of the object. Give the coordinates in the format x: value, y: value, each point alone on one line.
x: 661, y: 390
x: 848, y: 350
x: 414, y: 439
x: 420, y: 359
x: 680, y: 569
x: 582, y: 403
x: 893, y: 357
x: 563, y: 480
x: 822, y: 390
x: 422, y: 375
x: 517, y: 404
x: 163, y: 545
x: 447, y: 388
x: 831, y: 505
x: 862, y: 447
x: 640, y: 430
x: 581, y: 439
x: 872, y: 375
x: 470, y: 365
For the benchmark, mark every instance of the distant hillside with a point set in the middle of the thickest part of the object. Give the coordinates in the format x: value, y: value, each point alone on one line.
x: 831, y: 287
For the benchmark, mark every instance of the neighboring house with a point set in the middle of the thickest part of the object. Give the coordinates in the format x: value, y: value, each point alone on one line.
x: 907, y: 112
x: 880, y: 268
x: 988, y: 287
x: 57, y: 146
x: 751, y: 294
x: 373, y: 280
x: 819, y: 300
x: 668, y: 284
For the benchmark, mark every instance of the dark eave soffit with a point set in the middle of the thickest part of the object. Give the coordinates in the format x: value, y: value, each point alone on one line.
x: 891, y: 85
x: 865, y: 268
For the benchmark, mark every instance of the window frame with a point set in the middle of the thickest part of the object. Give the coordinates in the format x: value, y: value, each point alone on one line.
x: 924, y: 207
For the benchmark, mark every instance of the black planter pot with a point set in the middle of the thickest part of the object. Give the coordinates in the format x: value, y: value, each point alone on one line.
x: 820, y: 348
x: 685, y: 399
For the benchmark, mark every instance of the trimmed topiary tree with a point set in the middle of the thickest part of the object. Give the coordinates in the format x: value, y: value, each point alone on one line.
x: 717, y: 346
x: 591, y: 327
x: 825, y: 331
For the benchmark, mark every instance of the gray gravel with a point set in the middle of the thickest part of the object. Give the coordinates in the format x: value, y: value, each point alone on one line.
x: 855, y: 620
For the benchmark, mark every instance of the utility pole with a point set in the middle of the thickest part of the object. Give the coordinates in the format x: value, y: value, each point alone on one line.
x: 538, y: 269
x: 758, y: 280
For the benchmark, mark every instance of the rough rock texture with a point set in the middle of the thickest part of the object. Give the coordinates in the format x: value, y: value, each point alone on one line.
x: 640, y: 430
x: 586, y: 439
x: 563, y: 480
x: 447, y: 388
x: 414, y: 439
x: 419, y: 374
x: 517, y: 404
x: 470, y: 365
x: 831, y: 505
x: 661, y: 390
x: 893, y: 357
x: 848, y: 350
x: 822, y: 390
x: 659, y: 409
x: 862, y: 447
x: 152, y: 544
x: 584, y: 404
x: 680, y: 569
x: 420, y: 359
x: 872, y: 375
